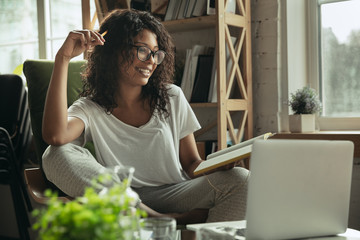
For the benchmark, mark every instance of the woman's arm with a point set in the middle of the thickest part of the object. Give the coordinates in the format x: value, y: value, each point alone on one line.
x: 57, y: 129
x: 190, y: 158
x: 189, y: 155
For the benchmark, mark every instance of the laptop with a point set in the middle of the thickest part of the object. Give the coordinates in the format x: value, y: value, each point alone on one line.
x: 297, y: 189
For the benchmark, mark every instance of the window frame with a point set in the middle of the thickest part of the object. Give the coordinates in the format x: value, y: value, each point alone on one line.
x: 314, y: 66
x: 46, y: 41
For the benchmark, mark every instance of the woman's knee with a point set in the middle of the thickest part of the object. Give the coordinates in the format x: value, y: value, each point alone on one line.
x: 50, y: 156
x: 65, y: 158
x: 240, y: 174
x: 234, y: 176
x: 70, y: 167
x: 63, y: 152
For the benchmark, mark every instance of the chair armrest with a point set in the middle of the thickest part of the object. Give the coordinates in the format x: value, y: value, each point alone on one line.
x: 37, y: 185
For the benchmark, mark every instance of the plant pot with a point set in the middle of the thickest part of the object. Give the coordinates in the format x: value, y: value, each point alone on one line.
x: 300, y: 123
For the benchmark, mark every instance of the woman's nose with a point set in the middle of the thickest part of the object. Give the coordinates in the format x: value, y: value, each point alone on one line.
x: 151, y: 59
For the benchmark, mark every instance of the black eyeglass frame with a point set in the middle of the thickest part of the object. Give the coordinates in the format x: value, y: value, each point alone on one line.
x: 152, y: 53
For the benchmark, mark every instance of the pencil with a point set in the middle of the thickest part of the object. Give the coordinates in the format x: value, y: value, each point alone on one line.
x: 104, y: 33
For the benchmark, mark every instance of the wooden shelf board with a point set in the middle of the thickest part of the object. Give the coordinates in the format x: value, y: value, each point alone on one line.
x: 189, y: 24
x: 232, y: 105
x: 203, y: 105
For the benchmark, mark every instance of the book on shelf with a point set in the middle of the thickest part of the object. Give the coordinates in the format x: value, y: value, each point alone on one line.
x: 191, y: 60
x: 189, y: 8
x: 211, y: 7
x: 212, y: 96
x: 199, y: 8
x: 170, y: 10
x: 228, y: 155
x: 176, y: 10
x: 201, y: 87
x: 182, y: 7
x: 186, y: 84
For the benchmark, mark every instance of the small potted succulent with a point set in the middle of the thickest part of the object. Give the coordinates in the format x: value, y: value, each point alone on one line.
x: 108, y: 214
x: 305, y: 104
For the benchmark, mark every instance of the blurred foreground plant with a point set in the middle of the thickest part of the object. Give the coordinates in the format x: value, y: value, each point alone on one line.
x: 106, y: 215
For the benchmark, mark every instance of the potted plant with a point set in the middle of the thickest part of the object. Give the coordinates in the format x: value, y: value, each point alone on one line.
x: 305, y: 104
x: 106, y: 215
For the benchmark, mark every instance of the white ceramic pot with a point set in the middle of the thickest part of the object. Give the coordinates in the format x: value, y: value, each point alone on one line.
x: 301, y: 123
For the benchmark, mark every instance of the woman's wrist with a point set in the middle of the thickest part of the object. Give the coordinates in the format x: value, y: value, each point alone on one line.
x: 61, y: 58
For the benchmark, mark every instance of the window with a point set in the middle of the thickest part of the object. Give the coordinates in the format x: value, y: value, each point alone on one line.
x: 64, y: 16
x: 335, y: 35
x: 340, y: 58
x: 19, y: 33
x: 28, y: 22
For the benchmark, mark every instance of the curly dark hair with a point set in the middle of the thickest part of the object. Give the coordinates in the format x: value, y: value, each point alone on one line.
x: 101, y: 74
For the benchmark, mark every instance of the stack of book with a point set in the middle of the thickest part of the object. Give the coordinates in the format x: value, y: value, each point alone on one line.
x: 199, y: 77
x: 180, y: 9
x: 198, y: 73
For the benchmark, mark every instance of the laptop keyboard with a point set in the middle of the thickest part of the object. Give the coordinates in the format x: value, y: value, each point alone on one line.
x: 223, y: 232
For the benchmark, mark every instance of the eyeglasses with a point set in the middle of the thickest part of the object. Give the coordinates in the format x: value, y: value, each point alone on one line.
x: 144, y: 53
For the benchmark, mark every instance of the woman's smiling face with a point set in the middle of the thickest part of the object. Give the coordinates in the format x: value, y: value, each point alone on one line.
x: 139, y: 72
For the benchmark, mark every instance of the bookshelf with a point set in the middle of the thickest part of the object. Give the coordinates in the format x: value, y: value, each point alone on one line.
x: 238, y: 78
x: 240, y: 75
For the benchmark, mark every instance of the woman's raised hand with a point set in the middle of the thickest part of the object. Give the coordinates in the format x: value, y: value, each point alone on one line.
x: 79, y: 41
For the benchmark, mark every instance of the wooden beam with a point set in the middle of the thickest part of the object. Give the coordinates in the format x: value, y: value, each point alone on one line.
x: 85, y: 11
x: 221, y: 73
x: 236, y: 105
x: 247, y: 66
x: 235, y: 20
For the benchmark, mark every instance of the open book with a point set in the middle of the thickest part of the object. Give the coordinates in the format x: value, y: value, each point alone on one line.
x: 228, y: 155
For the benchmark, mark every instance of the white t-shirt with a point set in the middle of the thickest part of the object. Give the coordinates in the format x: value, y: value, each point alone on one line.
x: 152, y: 149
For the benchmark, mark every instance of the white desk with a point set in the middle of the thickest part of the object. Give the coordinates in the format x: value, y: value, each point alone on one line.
x: 350, y: 234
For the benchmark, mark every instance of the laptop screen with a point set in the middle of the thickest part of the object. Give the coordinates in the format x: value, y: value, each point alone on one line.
x: 299, y: 188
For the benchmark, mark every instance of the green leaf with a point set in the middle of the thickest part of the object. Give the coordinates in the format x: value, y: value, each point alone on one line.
x: 91, y: 216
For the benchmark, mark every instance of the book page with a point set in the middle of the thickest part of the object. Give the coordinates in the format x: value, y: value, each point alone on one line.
x: 237, y: 146
x: 224, y: 159
x: 229, y: 155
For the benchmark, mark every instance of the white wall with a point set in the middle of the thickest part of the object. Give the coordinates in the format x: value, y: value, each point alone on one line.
x: 279, y: 60
x: 266, y: 68
x: 296, y: 44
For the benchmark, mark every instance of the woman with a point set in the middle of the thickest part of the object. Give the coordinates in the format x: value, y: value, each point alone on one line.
x: 135, y: 116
